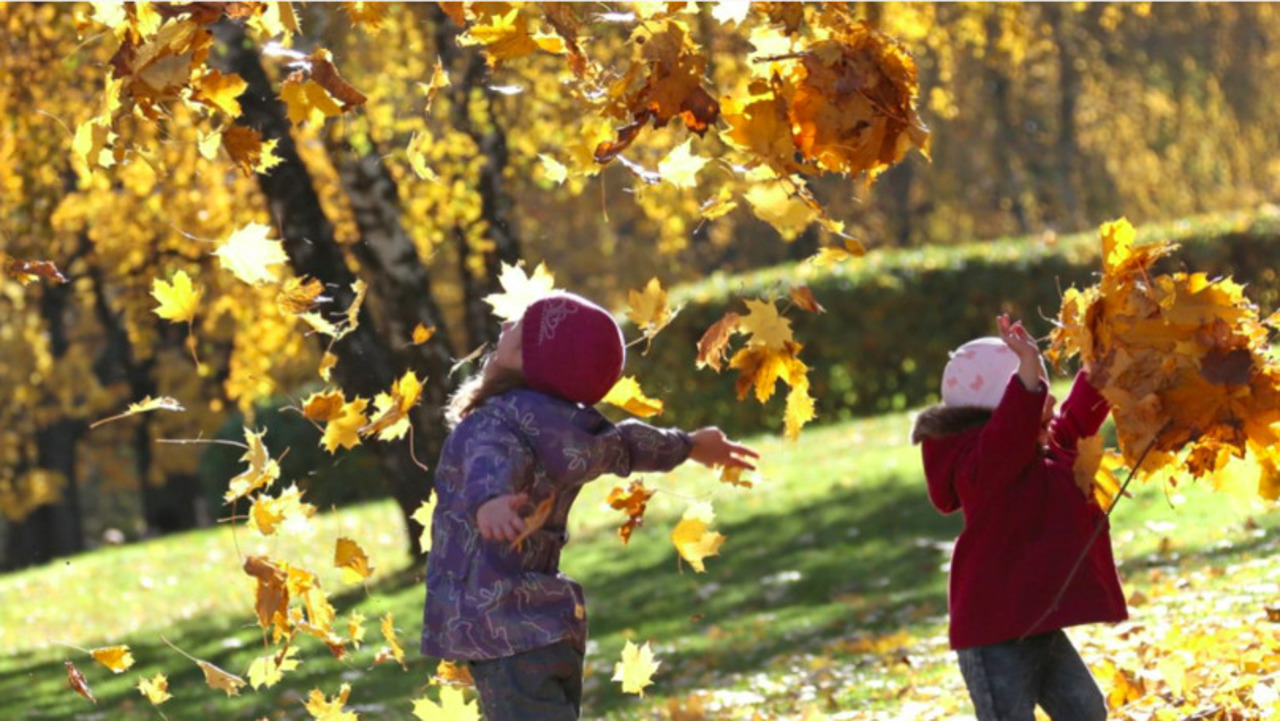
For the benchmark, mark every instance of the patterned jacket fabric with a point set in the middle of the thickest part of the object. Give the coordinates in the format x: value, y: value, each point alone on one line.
x: 486, y: 600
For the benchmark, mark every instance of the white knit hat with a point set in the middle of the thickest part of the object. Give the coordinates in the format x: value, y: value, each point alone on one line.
x: 978, y: 373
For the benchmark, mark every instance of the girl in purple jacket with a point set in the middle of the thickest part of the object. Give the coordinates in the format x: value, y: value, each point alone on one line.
x: 525, y: 433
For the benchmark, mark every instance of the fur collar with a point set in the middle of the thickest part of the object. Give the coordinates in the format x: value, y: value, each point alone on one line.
x: 941, y: 420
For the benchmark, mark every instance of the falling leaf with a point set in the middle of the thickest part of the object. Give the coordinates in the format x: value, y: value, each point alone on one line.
x: 681, y: 166
x: 326, y: 75
x: 391, y: 420
x: 422, y: 334
x: 355, y: 628
x: 719, y: 206
x: 648, y: 308
x: 324, y: 406
x: 636, y: 668
x: 632, y: 501
x: 307, y: 102
x: 262, y: 470
x: 269, y: 514
x: 116, y: 658
x: 627, y: 395
x: 452, y: 674
x: 271, y: 596
x: 730, y: 11
x: 77, y: 682
x: 344, y: 430
x: 424, y: 514
x: 831, y: 255
x: 519, y: 291
x: 732, y: 475
x: 776, y: 205
x: 27, y: 271
x: 322, y: 709
x: 218, y: 679
x: 800, y: 408
x: 766, y: 327
x: 439, y: 79
x: 327, y: 362
x: 692, y: 537
x: 156, y: 689
x: 714, y: 343
x: 393, y: 650
x: 416, y: 151
x: 221, y: 91
x: 177, y: 301
x: 351, y: 558
x: 453, y: 706
x: 250, y: 255
x: 248, y: 151
x: 802, y: 296
x: 162, y: 403
x: 299, y: 295
x: 534, y: 521
x: 553, y: 170
x: 267, y: 671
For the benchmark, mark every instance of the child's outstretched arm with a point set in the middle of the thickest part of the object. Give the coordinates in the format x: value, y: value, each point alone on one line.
x: 712, y: 448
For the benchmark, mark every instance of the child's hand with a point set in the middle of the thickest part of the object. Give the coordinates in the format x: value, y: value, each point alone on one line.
x: 499, y: 518
x: 1023, y: 346
x: 712, y: 448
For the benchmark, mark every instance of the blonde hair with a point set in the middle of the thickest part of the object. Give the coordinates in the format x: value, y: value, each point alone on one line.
x: 478, y: 389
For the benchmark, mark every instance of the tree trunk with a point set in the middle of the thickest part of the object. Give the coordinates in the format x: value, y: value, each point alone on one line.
x: 366, y: 364
x: 55, y: 529
x: 1068, y: 92
x: 495, y: 202
x: 1007, y: 135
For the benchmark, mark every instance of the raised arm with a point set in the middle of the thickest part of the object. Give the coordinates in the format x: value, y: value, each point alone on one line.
x: 1081, y: 415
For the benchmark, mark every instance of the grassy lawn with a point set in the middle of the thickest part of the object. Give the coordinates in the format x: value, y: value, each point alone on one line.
x: 828, y: 599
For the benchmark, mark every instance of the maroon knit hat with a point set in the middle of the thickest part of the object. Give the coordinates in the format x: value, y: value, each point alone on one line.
x: 572, y: 348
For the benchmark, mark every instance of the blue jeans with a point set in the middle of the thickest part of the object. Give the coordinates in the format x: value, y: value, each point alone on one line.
x: 544, y: 684
x: 1006, y: 680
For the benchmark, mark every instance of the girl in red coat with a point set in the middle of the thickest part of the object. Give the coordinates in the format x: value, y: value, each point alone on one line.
x: 996, y: 451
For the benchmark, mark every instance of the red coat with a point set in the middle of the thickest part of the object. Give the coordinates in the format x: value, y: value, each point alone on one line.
x: 1025, y: 520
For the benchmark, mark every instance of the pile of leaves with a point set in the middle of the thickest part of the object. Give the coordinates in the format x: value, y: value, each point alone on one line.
x: 1184, y: 361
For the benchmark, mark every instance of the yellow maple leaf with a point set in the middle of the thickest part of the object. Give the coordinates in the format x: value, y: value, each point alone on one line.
x: 391, y: 419
x: 800, y: 409
x: 250, y: 255
x: 307, y: 102
x: 424, y: 514
x: 221, y: 91
x: 692, y: 537
x: 453, y: 706
x: 636, y: 668
x: 327, y: 362
x: 266, y: 671
x: 248, y: 151
x: 714, y: 343
x: 553, y: 170
x: 91, y: 145
x: 832, y: 255
x: 627, y: 395
x: 392, y: 650
x: 773, y: 203
x: 422, y: 334
x: 116, y: 658
x: 322, y: 709
x: 504, y: 37
x: 452, y: 674
x: 439, y: 79
x: 345, y: 429
x: 519, y: 291
x: 155, y: 689
x: 262, y: 470
x: 680, y: 167
x: 802, y: 296
x: 323, y: 406
x: 416, y: 151
x: 161, y: 403
x: 299, y: 295
x: 731, y: 11
x: 648, y: 308
x: 178, y: 299
x: 268, y: 513
x: 218, y: 679
x: 355, y: 628
x: 351, y: 558
x: 766, y: 327
x: 271, y: 593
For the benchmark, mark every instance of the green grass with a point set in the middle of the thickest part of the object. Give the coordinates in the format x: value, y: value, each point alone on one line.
x: 833, y: 552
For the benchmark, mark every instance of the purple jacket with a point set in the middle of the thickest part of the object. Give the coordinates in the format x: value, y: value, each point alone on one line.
x: 485, y: 600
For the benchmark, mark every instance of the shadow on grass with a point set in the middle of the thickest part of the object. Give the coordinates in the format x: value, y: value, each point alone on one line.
x: 848, y: 563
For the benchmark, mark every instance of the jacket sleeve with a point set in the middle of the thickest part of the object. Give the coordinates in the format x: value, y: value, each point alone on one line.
x: 1007, y: 443
x: 495, y: 463
x: 1080, y: 416
x: 649, y: 448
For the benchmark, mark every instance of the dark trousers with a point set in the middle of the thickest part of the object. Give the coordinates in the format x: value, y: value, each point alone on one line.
x: 544, y: 684
x: 1007, y: 680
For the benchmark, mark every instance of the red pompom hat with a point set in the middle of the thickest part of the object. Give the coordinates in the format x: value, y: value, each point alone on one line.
x: 571, y: 348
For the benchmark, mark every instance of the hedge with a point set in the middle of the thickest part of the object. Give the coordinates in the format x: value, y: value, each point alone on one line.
x: 893, y: 315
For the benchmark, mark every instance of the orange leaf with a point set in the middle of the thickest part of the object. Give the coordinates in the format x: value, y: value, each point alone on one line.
x: 77, y: 682
x: 632, y: 501
x: 802, y: 296
x: 535, y: 520
x: 714, y: 344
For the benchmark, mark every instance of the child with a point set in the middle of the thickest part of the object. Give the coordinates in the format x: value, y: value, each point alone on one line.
x: 995, y: 450
x: 525, y: 434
